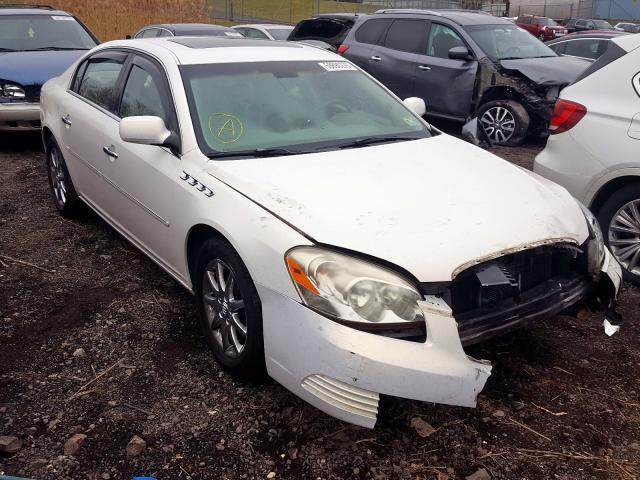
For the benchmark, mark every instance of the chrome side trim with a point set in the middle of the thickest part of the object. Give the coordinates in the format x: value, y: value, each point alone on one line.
x: 121, y: 190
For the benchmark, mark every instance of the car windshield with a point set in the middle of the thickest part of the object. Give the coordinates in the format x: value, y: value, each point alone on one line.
x: 43, y: 32
x: 298, y: 106
x: 502, y: 42
x: 602, y: 25
x: 279, y: 33
x: 547, y: 22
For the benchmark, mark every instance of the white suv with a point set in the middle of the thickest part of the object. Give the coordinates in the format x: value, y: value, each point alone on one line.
x: 594, y: 147
x: 325, y: 229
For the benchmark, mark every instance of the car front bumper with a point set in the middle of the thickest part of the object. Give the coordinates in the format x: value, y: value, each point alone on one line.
x: 19, y: 116
x: 343, y: 371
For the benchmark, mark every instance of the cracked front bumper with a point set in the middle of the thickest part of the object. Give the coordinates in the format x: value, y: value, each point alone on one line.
x: 342, y: 371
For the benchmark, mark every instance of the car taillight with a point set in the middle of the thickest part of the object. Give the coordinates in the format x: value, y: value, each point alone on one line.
x: 342, y: 49
x: 566, y: 115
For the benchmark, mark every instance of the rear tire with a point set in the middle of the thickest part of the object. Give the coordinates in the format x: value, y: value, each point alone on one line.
x: 61, y: 188
x: 229, y: 309
x: 505, y: 122
x: 619, y: 218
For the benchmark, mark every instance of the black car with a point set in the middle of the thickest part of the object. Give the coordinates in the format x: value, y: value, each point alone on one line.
x: 329, y: 28
x: 186, y: 29
x: 464, y: 64
x: 583, y: 24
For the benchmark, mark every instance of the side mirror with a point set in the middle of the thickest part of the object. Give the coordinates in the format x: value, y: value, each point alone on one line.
x: 127, y: 37
x: 416, y: 104
x: 460, y: 53
x: 147, y: 130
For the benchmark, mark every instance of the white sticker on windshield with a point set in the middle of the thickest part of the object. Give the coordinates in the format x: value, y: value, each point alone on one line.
x: 336, y: 66
x: 60, y: 17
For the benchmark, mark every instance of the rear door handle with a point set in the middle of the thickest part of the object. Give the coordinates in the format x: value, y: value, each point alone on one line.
x: 375, y: 58
x: 424, y: 67
x: 66, y: 119
x: 109, y: 150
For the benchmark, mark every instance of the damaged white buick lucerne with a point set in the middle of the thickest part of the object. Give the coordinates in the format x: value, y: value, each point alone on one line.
x: 329, y: 234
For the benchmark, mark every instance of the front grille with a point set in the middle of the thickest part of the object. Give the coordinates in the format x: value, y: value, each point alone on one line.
x: 522, y: 271
x: 503, y: 294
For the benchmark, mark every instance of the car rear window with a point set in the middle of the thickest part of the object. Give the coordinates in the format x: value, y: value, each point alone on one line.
x: 330, y: 30
x: 613, y: 53
x: 372, y: 30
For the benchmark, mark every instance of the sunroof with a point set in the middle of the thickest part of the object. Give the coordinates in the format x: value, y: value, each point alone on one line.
x: 216, y: 42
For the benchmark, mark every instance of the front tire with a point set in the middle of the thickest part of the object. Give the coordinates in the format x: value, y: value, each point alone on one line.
x: 619, y: 219
x: 505, y: 122
x: 61, y: 188
x: 229, y: 309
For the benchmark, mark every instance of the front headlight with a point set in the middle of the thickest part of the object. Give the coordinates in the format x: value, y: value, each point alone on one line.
x: 596, y: 251
x: 11, y: 91
x: 353, y: 291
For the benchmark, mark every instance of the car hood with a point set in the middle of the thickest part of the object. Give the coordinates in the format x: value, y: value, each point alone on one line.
x: 35, y: 68
x: 548, y: 70
x: 429, y: 206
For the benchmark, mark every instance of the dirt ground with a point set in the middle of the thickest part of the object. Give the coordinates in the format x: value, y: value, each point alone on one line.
x: 97, y: 340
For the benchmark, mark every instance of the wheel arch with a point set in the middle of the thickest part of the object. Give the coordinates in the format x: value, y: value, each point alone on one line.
x: 609, y: 188
x: 197, y: 235
x: 47, y: 134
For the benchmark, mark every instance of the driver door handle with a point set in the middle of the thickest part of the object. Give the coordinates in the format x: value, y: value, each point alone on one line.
x: 66, y: 119
x: 424, y: 67
x: 375, y: 58
x: 109, y: 150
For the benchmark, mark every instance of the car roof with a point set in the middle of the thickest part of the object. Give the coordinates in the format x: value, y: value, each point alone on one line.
x: 461, y: 17
x: 627, y: 42
x: 337, y: 16
x: 264, y: 25
x: 206, y: 50
x: 189, y: 27
x: 26, y: 10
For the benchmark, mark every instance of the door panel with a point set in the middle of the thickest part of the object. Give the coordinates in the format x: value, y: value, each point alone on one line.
x: 150, y: 194
x: 445, y: 85
x: 395, y: 63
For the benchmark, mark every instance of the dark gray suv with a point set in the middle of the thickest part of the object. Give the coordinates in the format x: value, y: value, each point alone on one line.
x: 464, y: 64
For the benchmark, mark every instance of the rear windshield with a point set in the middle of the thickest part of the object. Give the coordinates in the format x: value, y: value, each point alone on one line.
x: 613, y: 53
x: 330, y: 30
x: 602, y: 25
x: 279, y: 33
x: 43, y: 32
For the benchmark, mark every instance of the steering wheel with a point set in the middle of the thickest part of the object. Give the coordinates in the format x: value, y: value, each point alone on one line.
x: 335, y: 107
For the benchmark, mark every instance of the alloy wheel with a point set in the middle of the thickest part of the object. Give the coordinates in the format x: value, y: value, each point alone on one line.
x: 224, y: 308
x: 58, y: 178
x: 498, y: 123
x: 624, y: 236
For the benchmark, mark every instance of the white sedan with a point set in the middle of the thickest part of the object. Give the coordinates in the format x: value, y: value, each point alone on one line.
x: 329, y: 234
x: 594, y: 145
x: 268, y: 31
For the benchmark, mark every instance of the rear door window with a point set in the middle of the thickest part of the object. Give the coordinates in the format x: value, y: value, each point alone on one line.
x: 407, y: 35
x: 371, y: 31
x: 99, y: 79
